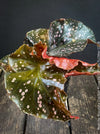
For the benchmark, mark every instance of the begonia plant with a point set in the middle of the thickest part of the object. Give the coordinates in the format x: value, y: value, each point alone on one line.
x: 35, y: 74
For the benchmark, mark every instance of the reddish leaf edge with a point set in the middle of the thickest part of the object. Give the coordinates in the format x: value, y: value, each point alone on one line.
x: 75, y: 73
x: 74, y: 117
x: 68, y: 64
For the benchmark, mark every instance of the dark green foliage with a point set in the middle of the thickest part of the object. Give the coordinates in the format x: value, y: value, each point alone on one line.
x: 34, y: 85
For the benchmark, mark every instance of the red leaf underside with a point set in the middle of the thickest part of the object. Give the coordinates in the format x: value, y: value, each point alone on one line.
x: 73, y: 66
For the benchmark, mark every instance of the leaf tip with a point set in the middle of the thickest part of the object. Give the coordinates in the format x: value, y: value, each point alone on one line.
x: 74, y: 117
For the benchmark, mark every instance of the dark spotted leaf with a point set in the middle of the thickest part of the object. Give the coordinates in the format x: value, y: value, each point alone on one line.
x: 72, y: 66
x: 34, y: 85
x: 38, y: 35
x: 67, y: 36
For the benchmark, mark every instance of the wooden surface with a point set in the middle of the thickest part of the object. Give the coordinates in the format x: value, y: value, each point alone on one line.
x: 40, y: 126
x: 11, y: 119
x: 82, y: 101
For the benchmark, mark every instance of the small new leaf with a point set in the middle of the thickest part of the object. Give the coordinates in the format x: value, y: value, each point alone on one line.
x: 38, y: 35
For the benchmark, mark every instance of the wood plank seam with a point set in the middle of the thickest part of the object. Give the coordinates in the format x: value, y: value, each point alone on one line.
x: 98, y: 88
x: 97, y: 79
x: 69, y: 122
x: 25, y: 124
x: 68, y: 107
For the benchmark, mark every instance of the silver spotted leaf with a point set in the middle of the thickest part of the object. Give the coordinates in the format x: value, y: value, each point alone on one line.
x: 38, y: 35
x: 67, y: 36
x: 34, y: 85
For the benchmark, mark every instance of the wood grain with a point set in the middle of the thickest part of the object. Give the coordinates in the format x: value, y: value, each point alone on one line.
x: 42, y: 126
x: 11, y: 118
x: 82, y: 94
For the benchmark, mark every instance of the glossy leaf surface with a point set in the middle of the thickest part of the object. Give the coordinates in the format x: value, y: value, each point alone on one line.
x: 67, y: 36
x: 38, y: 35
x: 72, y: 66
x: 34, y: 85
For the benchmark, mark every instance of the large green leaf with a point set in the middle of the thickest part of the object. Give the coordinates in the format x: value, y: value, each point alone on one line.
x: 67, y: 36
x: 34, y: 85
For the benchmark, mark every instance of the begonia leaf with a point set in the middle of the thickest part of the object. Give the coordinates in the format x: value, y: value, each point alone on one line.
x: 34, y: 84
x: 67, y: 36
x: 38, y: 35
x: 72, y: 66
